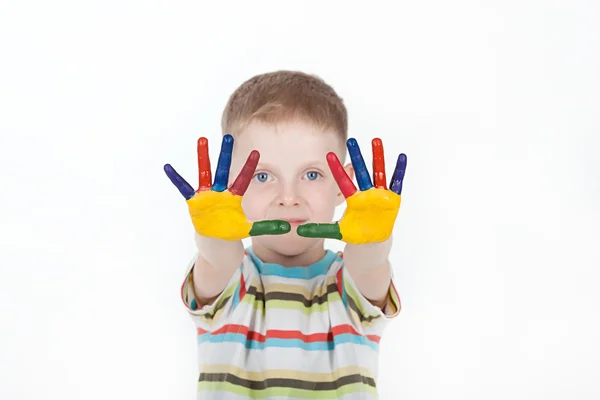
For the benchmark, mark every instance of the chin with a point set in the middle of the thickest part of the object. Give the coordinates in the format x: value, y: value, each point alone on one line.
x: 289, y: 245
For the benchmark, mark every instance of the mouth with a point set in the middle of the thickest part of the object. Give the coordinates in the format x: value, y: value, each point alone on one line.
x: 295, y: 221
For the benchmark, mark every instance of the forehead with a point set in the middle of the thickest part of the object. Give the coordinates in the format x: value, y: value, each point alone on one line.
x: 286, y: 143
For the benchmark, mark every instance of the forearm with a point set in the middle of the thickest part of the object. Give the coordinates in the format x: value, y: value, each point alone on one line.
x: 217, y: 261
x: 368, y: 264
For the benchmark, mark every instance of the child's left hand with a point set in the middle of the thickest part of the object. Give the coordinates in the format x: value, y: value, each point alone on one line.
x: 371, y: 212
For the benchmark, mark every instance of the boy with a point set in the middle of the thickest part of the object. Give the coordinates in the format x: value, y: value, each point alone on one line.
x: 286, y: 318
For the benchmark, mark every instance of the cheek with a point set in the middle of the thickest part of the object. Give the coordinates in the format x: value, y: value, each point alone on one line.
x: 321, y: 199
x: 256, y: 202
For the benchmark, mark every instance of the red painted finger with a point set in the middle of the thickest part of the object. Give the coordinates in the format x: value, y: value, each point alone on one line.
x: 341, y: 177
x: 243, y: 180
x: 204, y: 174
x: 378, y: 164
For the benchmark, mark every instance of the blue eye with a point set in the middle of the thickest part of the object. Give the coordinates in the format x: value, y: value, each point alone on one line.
x: 261, y: 177
x: 313, y: 175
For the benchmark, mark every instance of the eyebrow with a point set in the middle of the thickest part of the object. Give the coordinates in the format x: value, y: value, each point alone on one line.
x: 262, y: 165
x: 321, y: 164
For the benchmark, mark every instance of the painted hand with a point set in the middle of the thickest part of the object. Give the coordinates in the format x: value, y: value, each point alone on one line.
x: 215, y: 210
x: 371, y: 212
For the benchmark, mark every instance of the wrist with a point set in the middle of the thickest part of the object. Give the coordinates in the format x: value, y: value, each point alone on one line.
x: 369, y: 254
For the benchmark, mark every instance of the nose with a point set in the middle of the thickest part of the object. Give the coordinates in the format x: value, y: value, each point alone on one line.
x: 288, y: 196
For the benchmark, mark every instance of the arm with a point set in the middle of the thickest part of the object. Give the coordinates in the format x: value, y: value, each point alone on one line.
x: 369, y: 267
x: 216, y: 263
x: 368, y: 221
x: 219, y: 220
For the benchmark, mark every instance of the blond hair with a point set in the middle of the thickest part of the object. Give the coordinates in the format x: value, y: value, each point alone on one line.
x: 281, y: 96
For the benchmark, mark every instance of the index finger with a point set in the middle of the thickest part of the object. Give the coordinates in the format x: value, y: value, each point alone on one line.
x: 341, y: 177
x: 242, y: 181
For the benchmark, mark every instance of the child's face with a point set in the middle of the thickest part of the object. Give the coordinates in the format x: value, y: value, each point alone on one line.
x: 292, y: 181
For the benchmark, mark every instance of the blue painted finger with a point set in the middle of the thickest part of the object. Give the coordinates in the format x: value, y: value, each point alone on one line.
x: 398, y: 177
x: 184, y: 188
x: 360, y: 168
x: 224, y: 164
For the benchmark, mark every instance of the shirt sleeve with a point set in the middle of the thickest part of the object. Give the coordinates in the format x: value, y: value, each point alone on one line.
x: 365, y: 316
x: 212, y: 316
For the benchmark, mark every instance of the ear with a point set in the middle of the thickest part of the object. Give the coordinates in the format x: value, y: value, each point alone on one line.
x: 339, y: 199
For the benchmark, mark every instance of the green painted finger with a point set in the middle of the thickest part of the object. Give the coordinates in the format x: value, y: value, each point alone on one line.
x: 274, y: 227
x: 327, y: 231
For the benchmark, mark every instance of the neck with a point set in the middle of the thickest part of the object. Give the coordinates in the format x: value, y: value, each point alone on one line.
x: 304, y: 259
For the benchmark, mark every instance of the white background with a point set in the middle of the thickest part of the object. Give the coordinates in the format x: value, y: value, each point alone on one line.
x: 496, y: 104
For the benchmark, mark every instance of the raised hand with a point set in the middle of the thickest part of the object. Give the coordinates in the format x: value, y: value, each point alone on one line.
x: 216, y: 211
x: 371, y: 212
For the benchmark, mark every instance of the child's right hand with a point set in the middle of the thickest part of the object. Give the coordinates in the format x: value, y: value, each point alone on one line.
x: 216, y: 211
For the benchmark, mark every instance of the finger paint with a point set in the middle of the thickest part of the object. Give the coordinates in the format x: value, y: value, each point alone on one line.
x: 186, y: 190
x: 274, y: 227
x: 314, y: 230
x: 360, y: 168
x: 370, y: 216
x: 341, y: 177
x: 204, y: 174
x: 398, y: 177
x: 244, y: 178
x: 219, y: 215
x: 378, y: 164
x: 223, y: 165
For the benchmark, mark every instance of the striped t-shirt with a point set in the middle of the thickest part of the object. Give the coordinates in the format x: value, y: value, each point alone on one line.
x: 289, y: 333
